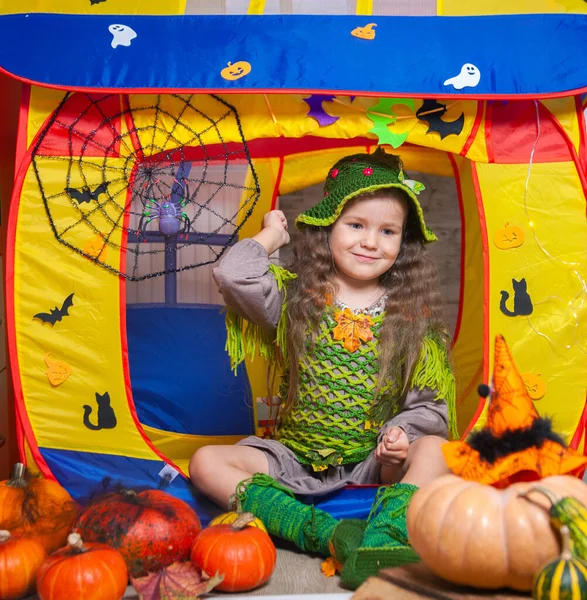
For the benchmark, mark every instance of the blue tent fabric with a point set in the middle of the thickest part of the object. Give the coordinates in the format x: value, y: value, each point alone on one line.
x: 517, y: 56
x: 353, y: 502
x: 83, y: 474
x: 180, y: 372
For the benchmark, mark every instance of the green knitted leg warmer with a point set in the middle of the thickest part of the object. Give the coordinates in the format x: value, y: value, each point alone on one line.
x: 387, y: 520
x: 309, y: 528
x: 385, y: 543
x: 347, y: 537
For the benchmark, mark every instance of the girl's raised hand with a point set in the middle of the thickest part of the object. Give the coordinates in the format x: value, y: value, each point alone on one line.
x: 275, y: 218
x: 274, y: 233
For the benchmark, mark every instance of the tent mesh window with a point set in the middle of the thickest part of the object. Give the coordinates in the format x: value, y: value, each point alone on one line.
x: 193, y: 286
x: 143, y: 181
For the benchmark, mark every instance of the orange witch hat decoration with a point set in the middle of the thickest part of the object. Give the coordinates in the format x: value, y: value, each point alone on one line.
x: 516, y: 444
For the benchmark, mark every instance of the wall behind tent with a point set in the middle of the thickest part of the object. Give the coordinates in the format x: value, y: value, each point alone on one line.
x: 441, y: 208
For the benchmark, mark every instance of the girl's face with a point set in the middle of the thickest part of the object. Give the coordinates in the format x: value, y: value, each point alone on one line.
x: 365, y: 240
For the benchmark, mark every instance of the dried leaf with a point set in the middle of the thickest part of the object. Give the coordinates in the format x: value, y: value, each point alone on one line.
x: 330, y: 566
x: 179, y: 581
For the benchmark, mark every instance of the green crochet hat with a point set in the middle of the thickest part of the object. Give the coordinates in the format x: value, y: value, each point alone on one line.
x: 361, y: 174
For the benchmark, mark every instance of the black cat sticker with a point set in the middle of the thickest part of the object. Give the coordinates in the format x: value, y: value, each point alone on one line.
x: 522, y: 300
x: 106, y: 416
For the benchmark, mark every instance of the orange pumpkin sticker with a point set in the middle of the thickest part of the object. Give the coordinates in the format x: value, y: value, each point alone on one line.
x: 352, y: 329
x: 535, y: 385
x: 510, y: 236
x: 511, y: 411
x: 96, y: 247
x: 365, y: 33
x: 58, y: 371
x: 236, y: 71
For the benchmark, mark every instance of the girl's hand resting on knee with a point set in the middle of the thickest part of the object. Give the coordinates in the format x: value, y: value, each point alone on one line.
x: 274, y: 233
x: 393, y: 448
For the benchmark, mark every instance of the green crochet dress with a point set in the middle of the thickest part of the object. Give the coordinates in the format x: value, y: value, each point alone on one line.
x: 336, y: 419
x: 332, y: 422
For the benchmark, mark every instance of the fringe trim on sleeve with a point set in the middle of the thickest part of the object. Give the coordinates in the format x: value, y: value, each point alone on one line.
x: 433, y: 370
x: 244, y: 338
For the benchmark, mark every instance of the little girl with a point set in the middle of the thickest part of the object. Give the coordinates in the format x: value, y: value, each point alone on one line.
x: 368, y: 393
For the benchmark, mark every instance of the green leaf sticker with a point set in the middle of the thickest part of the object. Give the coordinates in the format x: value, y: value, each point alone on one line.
x: 385, y: 117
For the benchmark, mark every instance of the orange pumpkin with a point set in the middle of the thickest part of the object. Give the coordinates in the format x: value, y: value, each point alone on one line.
x: 151, y: 529
x: 36, y: 506
x: 88, y: 571
x: 20, y: 559
x: 478, y: 535
x: 244, y: 555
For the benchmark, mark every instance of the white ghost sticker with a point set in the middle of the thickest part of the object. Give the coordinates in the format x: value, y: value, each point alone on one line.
x: 121, y: 35
x: 468, y: 77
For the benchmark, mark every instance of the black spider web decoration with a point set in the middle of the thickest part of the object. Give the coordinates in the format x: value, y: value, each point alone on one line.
x: 147, y: 186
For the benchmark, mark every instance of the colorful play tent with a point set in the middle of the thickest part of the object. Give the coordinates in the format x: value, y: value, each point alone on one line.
x: 116, y: 333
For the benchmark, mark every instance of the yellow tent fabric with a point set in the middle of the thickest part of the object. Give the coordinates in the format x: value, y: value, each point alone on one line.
x: 552, y: 261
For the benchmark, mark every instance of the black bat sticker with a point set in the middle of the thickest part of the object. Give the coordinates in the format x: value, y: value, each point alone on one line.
x: 56, y: 314
x: 96, y: 1
x: 86, y: 194
x: 435, y: 122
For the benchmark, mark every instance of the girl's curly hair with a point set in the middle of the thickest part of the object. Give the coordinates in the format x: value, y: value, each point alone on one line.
x: 413, y: 309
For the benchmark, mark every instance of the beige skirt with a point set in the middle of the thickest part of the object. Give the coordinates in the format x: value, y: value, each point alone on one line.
x: 301, y: 479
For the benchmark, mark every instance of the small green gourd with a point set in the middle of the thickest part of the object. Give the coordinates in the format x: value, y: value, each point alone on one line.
x: 565, y: 578
x: 570, y: 512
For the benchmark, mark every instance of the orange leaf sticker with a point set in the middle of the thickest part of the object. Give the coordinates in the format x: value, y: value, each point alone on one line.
x: 352, y: 328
